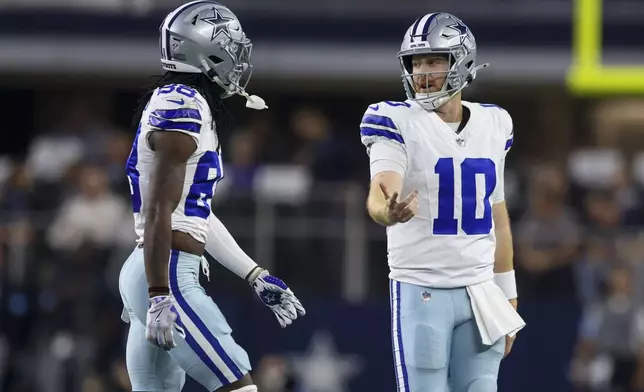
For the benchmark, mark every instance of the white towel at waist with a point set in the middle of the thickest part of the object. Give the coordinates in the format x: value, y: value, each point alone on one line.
x: 495, y: 316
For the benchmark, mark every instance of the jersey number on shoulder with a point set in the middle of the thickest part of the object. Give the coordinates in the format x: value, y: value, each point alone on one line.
x: 179, y: 88
x: 207, y: 174
x: 446, y: 223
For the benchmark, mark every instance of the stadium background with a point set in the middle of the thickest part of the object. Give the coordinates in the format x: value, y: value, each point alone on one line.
x: 71, y: 72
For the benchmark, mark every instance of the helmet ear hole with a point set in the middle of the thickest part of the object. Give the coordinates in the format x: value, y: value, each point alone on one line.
x: 216, y: 60
x: 209, y: 65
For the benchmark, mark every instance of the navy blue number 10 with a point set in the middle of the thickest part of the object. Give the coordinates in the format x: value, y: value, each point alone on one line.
x: 446, y: 223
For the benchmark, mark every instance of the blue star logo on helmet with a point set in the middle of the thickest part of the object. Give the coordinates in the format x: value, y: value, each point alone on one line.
x: 219, y: 22
x: 460, y: 30
x: 458, y: 26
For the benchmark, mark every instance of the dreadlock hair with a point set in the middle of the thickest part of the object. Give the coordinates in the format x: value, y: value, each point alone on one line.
x: 209, y: 90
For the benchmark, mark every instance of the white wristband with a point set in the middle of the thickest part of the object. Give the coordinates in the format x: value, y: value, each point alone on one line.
x: 507, y: 283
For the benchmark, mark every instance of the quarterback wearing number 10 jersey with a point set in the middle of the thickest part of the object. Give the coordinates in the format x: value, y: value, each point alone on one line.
x: 450, y: 242
x: 452, y: 288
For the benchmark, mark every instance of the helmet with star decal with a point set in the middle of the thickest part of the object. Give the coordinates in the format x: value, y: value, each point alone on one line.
x: 439, y: 34
x: 206, y: 37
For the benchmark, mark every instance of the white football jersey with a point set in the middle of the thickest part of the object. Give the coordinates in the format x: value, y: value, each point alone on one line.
x: 178, y: 108
x: 451, y: 241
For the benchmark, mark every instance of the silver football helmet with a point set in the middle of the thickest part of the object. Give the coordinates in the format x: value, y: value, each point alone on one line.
x: 206, y: 37
x: 444, y: 34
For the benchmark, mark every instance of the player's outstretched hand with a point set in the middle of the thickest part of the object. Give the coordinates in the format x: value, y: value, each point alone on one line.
x: 275, y: 294
x: 161, y: 321
x: 400, y: 212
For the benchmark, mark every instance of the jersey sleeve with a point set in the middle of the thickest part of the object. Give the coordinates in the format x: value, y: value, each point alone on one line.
x: 383, y: 140
x: 498, y: 195
x: 507, y: 129
x: 176, y: 111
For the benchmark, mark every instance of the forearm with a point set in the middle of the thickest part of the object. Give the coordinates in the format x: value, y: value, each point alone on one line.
x: 376, y: 207
x: 166, y: 187
x: 376, y: 202
x: 504, y: 254
x: 156, y: 245
x: 504, y: 265
x: 222, y: 247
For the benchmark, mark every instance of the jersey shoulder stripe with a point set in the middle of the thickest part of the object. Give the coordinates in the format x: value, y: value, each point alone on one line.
x: 379, y: 124
x: 176, y: 107
x: 168, y: 125
x: 509, y: 142
x: 178, y: 114
x: 382, y: 121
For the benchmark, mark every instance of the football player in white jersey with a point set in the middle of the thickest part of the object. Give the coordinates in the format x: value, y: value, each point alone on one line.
x: 453, y: 292
x: 174, y: 166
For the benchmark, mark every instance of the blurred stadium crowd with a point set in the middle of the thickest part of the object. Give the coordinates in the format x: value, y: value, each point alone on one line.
x: 293, y: 195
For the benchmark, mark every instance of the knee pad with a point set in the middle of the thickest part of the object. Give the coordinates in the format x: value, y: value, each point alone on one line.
x: 247, y: 388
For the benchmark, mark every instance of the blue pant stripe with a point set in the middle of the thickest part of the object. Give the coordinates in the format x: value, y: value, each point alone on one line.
x: 192, y: 315
x: 400, y: 341
x: 393, y: 337
x: 396, y: 338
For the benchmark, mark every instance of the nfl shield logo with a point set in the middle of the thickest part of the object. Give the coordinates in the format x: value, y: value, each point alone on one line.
x: 426, y: 296
x: 176, y: 44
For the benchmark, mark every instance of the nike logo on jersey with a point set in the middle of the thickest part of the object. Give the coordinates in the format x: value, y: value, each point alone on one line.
x: 178, y: 102
x: 374, y: 107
